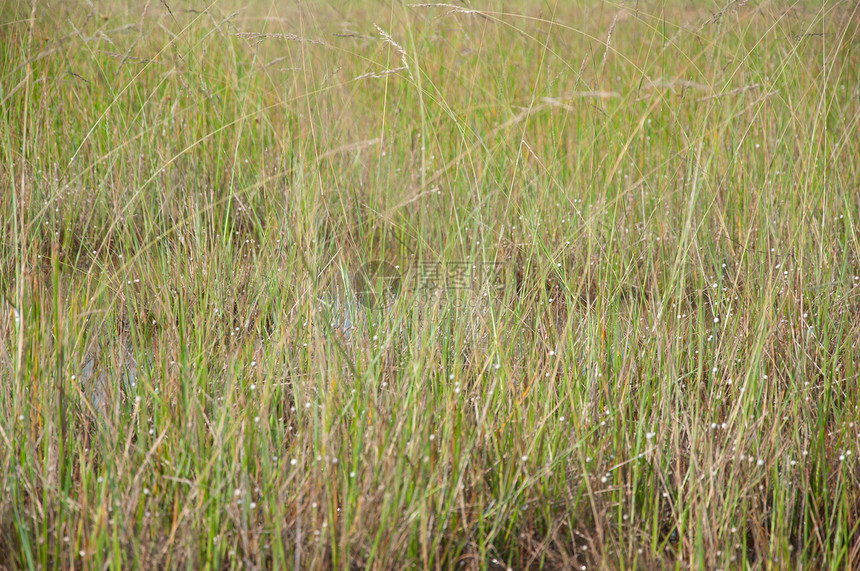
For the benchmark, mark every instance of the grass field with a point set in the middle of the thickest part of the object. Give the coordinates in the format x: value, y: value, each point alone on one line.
x: 490, y: 285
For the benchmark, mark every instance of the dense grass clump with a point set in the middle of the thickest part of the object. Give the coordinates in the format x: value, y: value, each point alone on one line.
x: 490, y: 285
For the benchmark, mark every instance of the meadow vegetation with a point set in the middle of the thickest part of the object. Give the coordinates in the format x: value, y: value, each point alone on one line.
x: 617, y: 326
